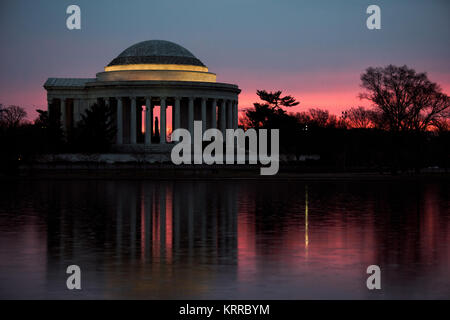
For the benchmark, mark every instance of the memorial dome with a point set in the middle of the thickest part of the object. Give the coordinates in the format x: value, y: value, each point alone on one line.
x: 156, y: 52
x: 157, y: 60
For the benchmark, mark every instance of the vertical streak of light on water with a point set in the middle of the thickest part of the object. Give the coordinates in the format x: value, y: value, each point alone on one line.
x: 306, y: 221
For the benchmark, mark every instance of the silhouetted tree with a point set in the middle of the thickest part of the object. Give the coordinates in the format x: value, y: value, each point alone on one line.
x: 12, y: 116
x: 95, y: 131
x: 361, y: 118
x: 406, y: 99
x: 271, y: 115
x: 1, y: 114
x: 442, y: 123
x: 268, y: 114
x: 318, y: 118
x: 275, y: 100
x: 48, y: 128
x: 409, y: 104
x: 14, y: 137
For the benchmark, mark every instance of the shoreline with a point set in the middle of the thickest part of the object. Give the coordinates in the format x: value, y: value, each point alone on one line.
x: 211, y: 173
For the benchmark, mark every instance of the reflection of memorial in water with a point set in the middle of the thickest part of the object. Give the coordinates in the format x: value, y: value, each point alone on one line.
x: 197, y: 239
x: 160, y: 225
x: 141, y: 236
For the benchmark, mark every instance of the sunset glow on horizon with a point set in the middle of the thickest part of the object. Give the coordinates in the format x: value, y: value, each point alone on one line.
x: 307, y: 51
x: 334, y: 99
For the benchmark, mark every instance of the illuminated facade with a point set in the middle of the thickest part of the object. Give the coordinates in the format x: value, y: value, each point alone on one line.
x: 149, y: 74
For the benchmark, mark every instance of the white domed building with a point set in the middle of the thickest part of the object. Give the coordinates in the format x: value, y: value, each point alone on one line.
x: 148, y: 75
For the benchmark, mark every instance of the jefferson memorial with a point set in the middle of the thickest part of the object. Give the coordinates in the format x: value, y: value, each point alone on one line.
x: 149, y: 75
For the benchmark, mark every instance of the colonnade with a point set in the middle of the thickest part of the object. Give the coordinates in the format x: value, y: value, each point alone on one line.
x: 220, y: 113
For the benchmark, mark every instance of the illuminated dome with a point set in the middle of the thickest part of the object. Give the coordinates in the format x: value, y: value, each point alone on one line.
x: 156, y: 52
x: 156, y: 60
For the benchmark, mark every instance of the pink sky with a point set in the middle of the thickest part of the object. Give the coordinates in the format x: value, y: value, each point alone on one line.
x: 334, y: 91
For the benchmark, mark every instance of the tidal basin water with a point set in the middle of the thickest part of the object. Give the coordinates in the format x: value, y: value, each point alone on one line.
x: 224, y: 239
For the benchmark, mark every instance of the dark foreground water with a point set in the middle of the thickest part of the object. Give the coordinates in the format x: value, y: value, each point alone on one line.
x: 232, y: 240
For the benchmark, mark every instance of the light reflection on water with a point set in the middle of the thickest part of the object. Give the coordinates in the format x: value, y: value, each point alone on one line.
x: 229, y: 239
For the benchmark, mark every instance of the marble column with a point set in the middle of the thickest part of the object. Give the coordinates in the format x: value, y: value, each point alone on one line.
x: 119, y: 121
x: 177, y: 113
x: 233, y: 114
x: 162, y: 133
x: 222, y: 116
x: 82, y: 107
x: 229, y: 114
x: 63, y: 113
x: 203, y: 114
x: 76, y: 111
x: 148, y: 120
x: 133, y: 121
x: 236, y: 115
x: 213, y: 114
x: 191, y: 117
